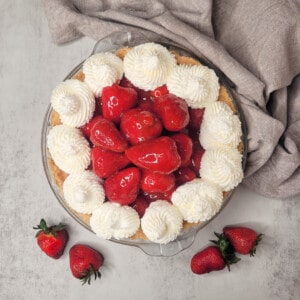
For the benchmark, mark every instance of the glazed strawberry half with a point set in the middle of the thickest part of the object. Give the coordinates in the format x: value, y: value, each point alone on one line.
x: 53, y: 239
x: 85, y: 262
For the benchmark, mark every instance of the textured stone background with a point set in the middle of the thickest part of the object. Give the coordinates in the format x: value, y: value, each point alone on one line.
x: 30, y: 67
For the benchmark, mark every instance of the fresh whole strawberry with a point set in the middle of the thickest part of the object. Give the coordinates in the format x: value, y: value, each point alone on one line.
x: 208, y: 260
x: 173, y: 112
x: 158, y: 155
x: 105, y: 134
x: 243, y: 239
x: 123, y: 186
x: 140, y: 205
x: 156, y: 182
x: 85, y: 262
x: 116, y: 100
x: 184, y: 147
x: 52, y: 240
x: 86, y: 129
x: 140, y: 125
x: 105, y: 162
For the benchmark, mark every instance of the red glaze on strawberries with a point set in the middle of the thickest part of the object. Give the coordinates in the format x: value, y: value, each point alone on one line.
x: 105, y: 134
x: 173, y: 112
x: 140, y: 125
x: 140, y: 205
x: 184, y: 175
x: 106, y: 162
x: 116, y: 100
x: 184, y: 147
x: 123, y: 186
x: 196, y: 117
x: 158, y: 155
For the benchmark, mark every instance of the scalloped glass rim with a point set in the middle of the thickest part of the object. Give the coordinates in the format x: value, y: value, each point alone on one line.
x: 111, y: 43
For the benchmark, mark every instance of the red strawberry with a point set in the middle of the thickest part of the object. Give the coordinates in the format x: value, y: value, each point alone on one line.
x: 106, y: 162
x: 184, y: 147
x: 105, y: 134
x: 52, y: 240
x: 173, y: 112
x: 158, y: 155
x: 208, y: 260
x: 184, y: 175
x: 156, y: 182
x: 85, y: 262
x: 123, y: 186
x: 140, y: 205
x: 146, y: 104
x: 196, y: 117
x: 86, y: 129
x: 144, y: 95
x: 140, y: 125
x: 243, y: 239
x: 116, y: 100
x: 196, y: 157
x: 160, y: 91
x: 150, y: 197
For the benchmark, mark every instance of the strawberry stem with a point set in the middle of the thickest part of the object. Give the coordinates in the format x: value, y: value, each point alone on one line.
x: 86, y: 276
x: 253, y: 250
x: 43, y: 227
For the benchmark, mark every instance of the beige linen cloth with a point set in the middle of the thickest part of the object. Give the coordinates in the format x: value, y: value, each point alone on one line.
x: 255, y: 43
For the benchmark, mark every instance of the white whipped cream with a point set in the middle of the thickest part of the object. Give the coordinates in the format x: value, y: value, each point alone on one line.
x: 219, y: 129
x: 198, y: 200
x: 217, y: 107
x: 162, y: 222
x: 84, y: 191
x: 111, y: 220
x: 101, y: 70
x: 222, y: 166
x: 68, y: 148
x: 197, y: 84
x: 74, y: 102
x: 148, y: 65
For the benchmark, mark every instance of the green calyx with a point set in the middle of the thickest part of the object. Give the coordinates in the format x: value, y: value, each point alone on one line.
x: 253, y: 250
x: 43, y: 228
x: 226, y: 249
x: 86, y: 276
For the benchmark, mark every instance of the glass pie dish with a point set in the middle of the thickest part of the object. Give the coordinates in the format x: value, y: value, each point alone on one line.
x: 112, y: 43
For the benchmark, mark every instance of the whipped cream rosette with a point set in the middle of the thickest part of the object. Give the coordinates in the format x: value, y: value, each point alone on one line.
x: 222, y: 166
x: 148, y: 65
x: 198, y: 200
x: 84, y: 191
x: 197, y: 84
x: 162, y: 222
x: 111, y: 220
x: 101, y: 70
x: 74, y: 102
x: 220, y: 128
x: 69, y: 149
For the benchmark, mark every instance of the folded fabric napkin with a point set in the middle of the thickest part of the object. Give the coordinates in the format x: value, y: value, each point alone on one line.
x: 256, y: 44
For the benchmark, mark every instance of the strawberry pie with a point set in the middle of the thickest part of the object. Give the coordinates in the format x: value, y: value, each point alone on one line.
x: 144, y: 143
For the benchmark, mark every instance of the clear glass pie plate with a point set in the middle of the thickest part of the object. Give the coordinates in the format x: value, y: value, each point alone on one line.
x: 112, y: 43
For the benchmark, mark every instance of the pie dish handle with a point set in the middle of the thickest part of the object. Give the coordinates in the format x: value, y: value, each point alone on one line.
x: 182, y: 242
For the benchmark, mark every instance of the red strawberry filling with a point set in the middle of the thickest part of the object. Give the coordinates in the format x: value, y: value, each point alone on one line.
x: 144, y: 144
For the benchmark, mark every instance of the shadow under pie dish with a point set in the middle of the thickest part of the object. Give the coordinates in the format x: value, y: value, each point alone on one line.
x: 199, y: 181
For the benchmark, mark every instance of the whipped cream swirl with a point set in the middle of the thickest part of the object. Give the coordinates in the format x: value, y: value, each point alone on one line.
x: 220, y: 128
x: 111, y: 220
x: 74, y: 102
x: 162, y: 222
x: 222, y: 166
x: 148, y: 65
x: 197, y: 84
x: 69, y: 149
x: 101, y: 70
x: 198, y: 200
x: 84, y: 191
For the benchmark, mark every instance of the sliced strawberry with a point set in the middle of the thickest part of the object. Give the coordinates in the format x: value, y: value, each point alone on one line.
x: 196, y: 117
x: 123, y: 186
x: 173, y: 112
x: 116, y: 100
x: 184, y: 175
x: 158, y: 155
x: 86, y: 129
x: 140, y: 205
x: 184, y: 147
x: 140, y: 125
x: 106, y: 162
x: 105, y: 134
x: 156, y: 182
x: 160, y: 91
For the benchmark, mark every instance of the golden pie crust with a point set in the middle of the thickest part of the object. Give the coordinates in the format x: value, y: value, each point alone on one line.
x: 58, y: 176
